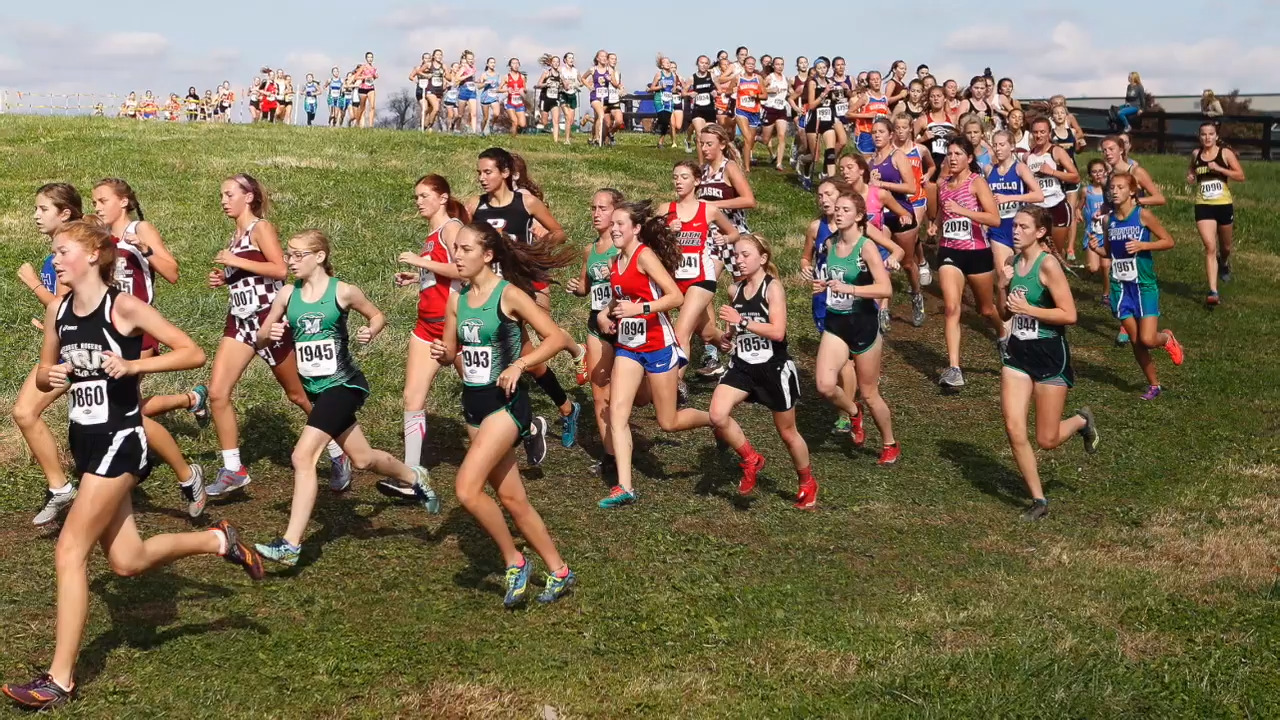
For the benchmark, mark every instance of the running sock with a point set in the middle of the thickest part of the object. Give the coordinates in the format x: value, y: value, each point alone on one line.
x: 190, y: 482
x: 805, y: 474
x: 63, y: 490
x: 829, y: 157
x: 231, y: 459
x: 551, y: 386
x: 222, y: 541
x: 746, y: 451
x: 562, y: 573
x: 415, y: 433
x: 335, y: 450
x: 711, y: 351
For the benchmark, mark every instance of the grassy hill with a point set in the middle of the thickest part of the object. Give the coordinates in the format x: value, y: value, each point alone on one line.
x: 913, y: 591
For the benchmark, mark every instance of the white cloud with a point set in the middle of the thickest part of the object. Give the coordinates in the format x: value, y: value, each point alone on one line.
x: 8, y: 64
x: 557, y: 16
x: 130, y: 45
x: 422, y: 15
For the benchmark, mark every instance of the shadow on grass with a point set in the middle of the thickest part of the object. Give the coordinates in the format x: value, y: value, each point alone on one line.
x: 267, y: 432
x: 336, y: 516
x: 1103, y: 375
x: 446, y: 442
x: 139, y: 608
x: 984, y: 472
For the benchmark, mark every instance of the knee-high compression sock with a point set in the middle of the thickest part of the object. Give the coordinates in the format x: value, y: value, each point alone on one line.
x: 551, y: 386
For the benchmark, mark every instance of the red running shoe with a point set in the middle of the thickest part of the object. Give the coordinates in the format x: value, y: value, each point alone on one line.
x: 1174, y: 348
x: 750, y: 468
x: 889, y: 455
x: 580, y: 367
x: 856, y: 432
x: 807, y: 498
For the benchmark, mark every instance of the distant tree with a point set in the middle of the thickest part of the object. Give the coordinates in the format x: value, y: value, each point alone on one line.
x: 401, y: 111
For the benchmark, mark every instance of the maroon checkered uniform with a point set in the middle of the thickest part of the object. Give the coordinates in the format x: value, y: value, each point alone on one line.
x: 251, y: 298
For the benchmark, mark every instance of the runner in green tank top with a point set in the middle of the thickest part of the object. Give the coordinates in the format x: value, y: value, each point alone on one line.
x: 593, y: 282
x: 482, y: 324
x: 1032, y: 290
x: 315, y: 308
x: 853, y: 270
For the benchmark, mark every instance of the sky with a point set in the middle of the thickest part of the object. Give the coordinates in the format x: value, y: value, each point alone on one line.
x: 1178, y: 46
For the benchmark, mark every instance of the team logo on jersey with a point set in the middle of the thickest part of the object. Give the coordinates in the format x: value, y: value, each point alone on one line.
x: 498, y: 224
x: 312, y: 323
x: 431, y: 245
x: 470, y: 330
x: 599, y: 272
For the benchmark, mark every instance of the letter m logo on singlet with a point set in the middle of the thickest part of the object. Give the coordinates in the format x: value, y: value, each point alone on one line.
x: 311, y: 323
x: 471, y: 332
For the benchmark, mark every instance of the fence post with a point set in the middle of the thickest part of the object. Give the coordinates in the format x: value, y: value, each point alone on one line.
x: 1267, y: 126
x: 1161, y: 128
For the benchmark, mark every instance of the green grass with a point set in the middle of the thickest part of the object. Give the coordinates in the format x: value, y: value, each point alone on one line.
x: 915, y: 591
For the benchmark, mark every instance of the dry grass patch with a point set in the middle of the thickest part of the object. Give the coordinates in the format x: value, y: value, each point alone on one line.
x: 470, y: 701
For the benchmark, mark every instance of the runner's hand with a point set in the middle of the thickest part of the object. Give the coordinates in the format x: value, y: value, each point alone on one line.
x: 1018, y: 304
x: 574, y: 286
x: 217, y: 278
x: 730, y: 314
x: 27, y: 275
x: 278, y: 330
x: 58, y: 375
x: 225, y: 258
x: 116, y: 367
x: 819, y: 287
x: 1006, y: 275
x: 406, y: 278
x: 627, y: 309
x: 806, y: 274
x: 408, y: 258
x: 365, y: 335
x: 510, y: 378
x: 438, y: 349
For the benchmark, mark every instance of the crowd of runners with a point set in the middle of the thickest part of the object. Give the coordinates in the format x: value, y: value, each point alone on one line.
x: 897, y: 163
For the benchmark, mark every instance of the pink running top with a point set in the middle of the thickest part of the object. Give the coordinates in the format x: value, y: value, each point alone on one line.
x: 961, y: 233
x: 875, y: 209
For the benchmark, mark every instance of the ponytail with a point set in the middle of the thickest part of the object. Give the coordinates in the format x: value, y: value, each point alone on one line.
x: 453, y: 207
x: 520, y: 178
x: 726, y: 141
x: 654, y: 232
x: 521, y: 264
x: 123, y: 190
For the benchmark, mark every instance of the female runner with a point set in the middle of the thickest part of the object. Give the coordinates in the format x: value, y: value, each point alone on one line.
x: 963, y: 208
x: 140, y: 254
x: 854, y: 280
x: 366, y: 74
x: 1013, y: 185
x: 1212, y: 167
x: 761, y: 369
x: 57, y: 205
x: 1135, y: 297
x: 747, y: 93
x: 935, y: 129
x: 421, y: 78
x: 253, y: 269
x: 437, y: 279
x: 643, y: 293
x: 974, y: 130
x: 892, y: 170
x: 599, y: 79
x: 820, y: 119
x: 614, y: 105
x: 1091, y: 216
x: 921, y: 167
x: 489, y: 83
x: 467, y: 91
x: 777, y: 110
x: 548, y: 90
x: 313, y: 312
x: 513, y: 85
x: 1035, y: 298
x: 663, y: 88
x: 514, y: 213
x: 93, y: 348
x: 1065, y: 135
x: 336, y: 98
x: 483, y: 323
x: 702, y: 93
x: 569, y: 83
x: 1019, y: 135
x: 593, y: 282
x: 1053, y: 168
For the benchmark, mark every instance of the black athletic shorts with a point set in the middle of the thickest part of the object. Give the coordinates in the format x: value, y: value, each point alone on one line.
x: 479, y: 403
x: 593, y: 327
x: 814, y: 127
x: 419, y: 92
x: 1045, y: 360
x: 549, y: 102
x: 1060, y: 214
x: 858, y: 330
x: 1224, y: 215
x: 706, y: 112
x: 333, y: 411
x: 773, y: 115
x: 895, y: 224
x: 110, y: 454
x: 774, y: 384
x: 969, y: 262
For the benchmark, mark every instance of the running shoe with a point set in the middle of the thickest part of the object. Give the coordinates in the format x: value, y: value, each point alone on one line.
x: 807, y: 498
x: 1039, y: 510
x: 952, y: 378
x: 917, y: 305
x: 1224, y: 271
x: 535, y: 446
x: 682, y: 394
x: 517, y: 581
x: 889, y: 454
x: 397, y: 491
x: 806, y: 183
x: 842, y: 426
x: 926, y: 275
x: 39, y: 694
x: 687, y: 147
x: 710, y: 363
x: 857, y: 433
x: 1122, y: 338
x: 238, y: 553
x: 1090, y: 430
x: 422, y: 492
x: 340, y: 473
x: 569, y: 426
x: 617, y: 498
x: 1071, y: 259
x: 1174, y: 348
x: 751, y: 467
x: 580, y: 368
x: 280, y: 551
x: 1212, y: 299
x: 1104, y: 300
x: 1153, y: 392
x: 1002, y: 347
x: 557, y: 587
x: 54, y: 505
x: 193, y: 492
x: 201, y: 407
x: 228, y: 481
x: 883, y: 314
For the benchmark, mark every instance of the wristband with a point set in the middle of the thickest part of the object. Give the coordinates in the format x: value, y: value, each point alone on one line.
x: 147, y: 251
x: 647, y: 309
x: 742, y: 325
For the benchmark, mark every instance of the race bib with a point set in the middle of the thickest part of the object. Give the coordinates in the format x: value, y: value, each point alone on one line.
x: 613, y: 95
x: 690, y: 265
x: 1048, y: 184
x: 632, y: 332
x: 824, y: 114
x: 1125, y: 270
x: 317, y: 358
x: 600, y: 296
x: 703, y: 99
x: 477, y: 365
x: 426, y: 279
x: 88, y: 402
x: 1009, y: 209
x: 1026, y: 327
x: 424, y: 83
x: 1212, y: 189
x: 437, y: 81
x: 124, y: 280
x: 842, y: 109
x: 665, y: 98
x: 244, y: 302
x: 753, y: 349
x: 960, y: 228
x: 939, y: 146
x: 747, y: 102
x: 838, y: 300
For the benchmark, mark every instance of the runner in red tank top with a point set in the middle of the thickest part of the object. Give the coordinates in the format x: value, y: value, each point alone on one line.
x: 436, y: 277
x: 643, y: 293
